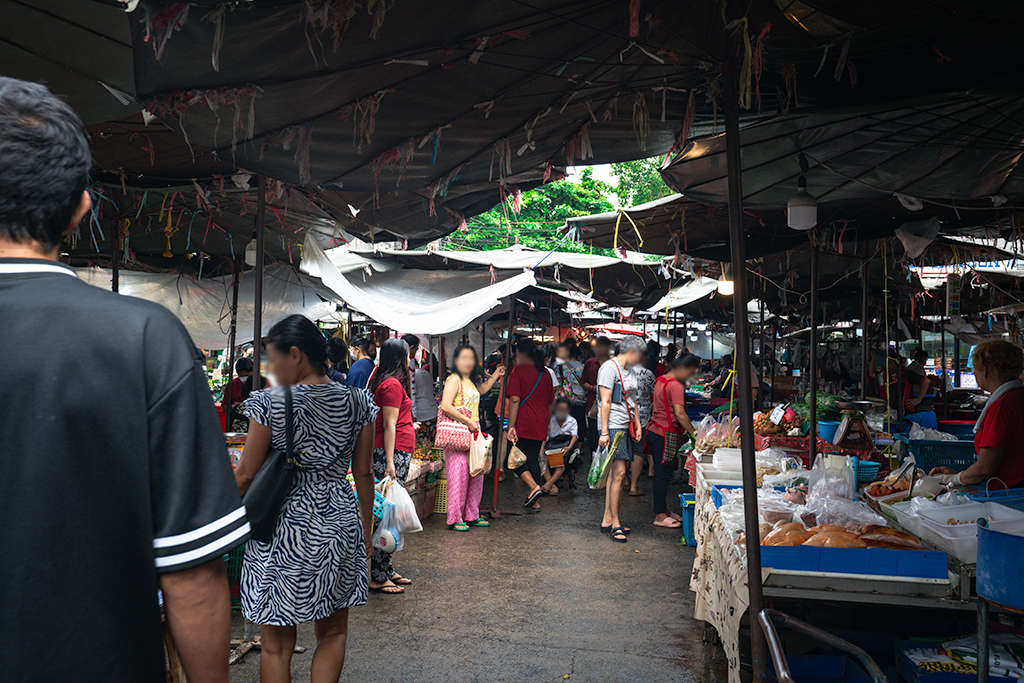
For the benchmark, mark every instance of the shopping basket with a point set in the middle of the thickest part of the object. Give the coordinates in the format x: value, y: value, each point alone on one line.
x: 956, y: 455
x: 379, y: 501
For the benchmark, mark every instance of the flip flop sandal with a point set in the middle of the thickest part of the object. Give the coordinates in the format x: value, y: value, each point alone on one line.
x: 616, y: 532
x: 533, y: 498
x: 386, y: 590
x: 401, y: 581
x: 668, y: 523
x: 479, y: 522
x: 608, y: 530
x: 461, y: 526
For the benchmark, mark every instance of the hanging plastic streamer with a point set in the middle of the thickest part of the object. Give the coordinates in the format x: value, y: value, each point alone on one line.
x: 439, y: 188
x: 364, y: 123
x: 712, y: 97
x: 684, y: 133
x: 844, y: 53
x: 515, y: 199
x: 641, y: 120
x: 788, y: 99
x: 741, y: 32
x: 547, y: 173
x: 405, y: 154
x: 216, y: 17
x: 503, y: 151
x: 202, y: 198
x: 161, y: 23
x: 149, y: 148
x: 328, y: 14
x: 759, y: 61
x: 177, y: 103
x: 634, y: 18
x: 434, y: 137
x: 377, y: 9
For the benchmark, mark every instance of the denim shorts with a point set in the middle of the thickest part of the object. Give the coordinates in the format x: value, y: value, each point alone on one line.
x: 627, y: 447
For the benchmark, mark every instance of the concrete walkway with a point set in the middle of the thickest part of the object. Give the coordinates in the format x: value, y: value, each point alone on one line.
x: 542, y: 597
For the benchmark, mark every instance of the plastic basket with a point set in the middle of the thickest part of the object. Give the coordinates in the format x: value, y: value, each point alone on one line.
x: 1011, y: 498
x: 379, y: 501
x: 957, y: 455
x: 688, y: 502
x: 233, y: 563
x: 441, y: 497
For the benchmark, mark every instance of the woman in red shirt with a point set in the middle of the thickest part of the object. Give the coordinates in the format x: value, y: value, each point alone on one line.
x: 999, y: 433
x: 530, y: 395
x: 393, y: 444
x: 669, y: 417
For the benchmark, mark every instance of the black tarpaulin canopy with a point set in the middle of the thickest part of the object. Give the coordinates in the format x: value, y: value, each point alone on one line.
x: 954, y: 147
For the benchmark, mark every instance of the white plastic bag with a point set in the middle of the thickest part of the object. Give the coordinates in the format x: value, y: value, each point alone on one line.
x: 599, y: 466
x: 406, y: 519
x: 386, y: 536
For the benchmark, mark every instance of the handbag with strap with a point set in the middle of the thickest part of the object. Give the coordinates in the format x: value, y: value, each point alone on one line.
x: 265, y: 496
x: 632, y: 423
x: 451, y: 434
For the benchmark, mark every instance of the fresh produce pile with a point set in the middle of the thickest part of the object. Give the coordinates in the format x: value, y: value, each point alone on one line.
x: 764, y: 425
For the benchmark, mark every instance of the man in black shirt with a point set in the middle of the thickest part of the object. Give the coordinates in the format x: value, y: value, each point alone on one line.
x: 114, y: 477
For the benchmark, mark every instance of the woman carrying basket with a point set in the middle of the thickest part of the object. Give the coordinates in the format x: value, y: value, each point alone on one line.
x: 460, y: 404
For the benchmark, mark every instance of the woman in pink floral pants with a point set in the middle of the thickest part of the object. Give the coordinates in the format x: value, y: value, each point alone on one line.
x: 461, y: 395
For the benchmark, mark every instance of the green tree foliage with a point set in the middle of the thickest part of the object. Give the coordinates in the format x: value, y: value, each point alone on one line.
x: 543, y: 211
x: 639, y: 181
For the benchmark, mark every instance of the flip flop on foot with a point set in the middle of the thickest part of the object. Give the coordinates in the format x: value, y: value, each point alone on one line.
x: 479, y: 522
x: 675, y: 517
x: 387, y: 589
x: 400, y: 580
x: 533, y: 498
x: 461, y: 526
x: 637, y: 492
x: 668, y: 523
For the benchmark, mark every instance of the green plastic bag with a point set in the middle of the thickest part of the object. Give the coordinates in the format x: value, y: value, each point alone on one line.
x: 597, y: 478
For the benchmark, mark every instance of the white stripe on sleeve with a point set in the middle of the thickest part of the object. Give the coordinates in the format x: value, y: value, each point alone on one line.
x: 195, y: 535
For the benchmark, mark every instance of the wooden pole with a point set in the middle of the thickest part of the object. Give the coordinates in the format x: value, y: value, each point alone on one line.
x: 232, y: 332
x: 741, y: 380
x: 257, y: 313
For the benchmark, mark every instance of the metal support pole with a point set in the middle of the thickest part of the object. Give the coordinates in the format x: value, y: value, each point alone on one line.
x: 899, y: 380
x: 115, y: 258
x: 502, y: 441
x: 942, y: 373
x: 864, y: 326
x: 983, y: 636
x: 738, y: 250
x: 232, y: 331
x: 956, y: 362
x: 760, y: 331
x: 257, y: 312
x: 812, y: 373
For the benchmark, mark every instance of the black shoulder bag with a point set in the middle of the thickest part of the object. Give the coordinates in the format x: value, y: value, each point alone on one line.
x: 265, y: 496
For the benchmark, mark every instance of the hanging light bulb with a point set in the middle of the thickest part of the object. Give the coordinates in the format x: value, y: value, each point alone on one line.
x: 250, y: 253
x: 802, y: 208
x: 725, y: 285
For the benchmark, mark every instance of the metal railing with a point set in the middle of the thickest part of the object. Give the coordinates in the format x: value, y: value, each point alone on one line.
x: 767, y: 617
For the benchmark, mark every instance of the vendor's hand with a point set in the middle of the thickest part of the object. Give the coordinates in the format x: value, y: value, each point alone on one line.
x: 390, y: 472
x: 604, y: 441
x: 473, y: 428
x: 513, y: 435
x: 940, y: 470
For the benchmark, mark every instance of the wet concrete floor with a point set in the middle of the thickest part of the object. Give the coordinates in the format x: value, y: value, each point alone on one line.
x: 540, y: 597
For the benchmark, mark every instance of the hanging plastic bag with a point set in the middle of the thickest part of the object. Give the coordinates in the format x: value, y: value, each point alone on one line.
x: 480, y: 446
x: 387, y: 537
x: 516, y: 458
x: 600, y: 467
x: 405, y: 518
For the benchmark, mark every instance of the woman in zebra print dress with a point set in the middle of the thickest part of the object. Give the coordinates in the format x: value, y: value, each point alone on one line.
x: 314, y: 568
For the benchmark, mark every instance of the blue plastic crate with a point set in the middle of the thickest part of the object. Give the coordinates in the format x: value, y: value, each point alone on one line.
x: 957, y: 455
x: 923, y: 564
x: 1011, y: 498
x: 688, y: 502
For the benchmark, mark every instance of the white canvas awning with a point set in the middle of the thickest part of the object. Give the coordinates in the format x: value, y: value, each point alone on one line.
x: 686, y: 293
x: 204, y: 306
x: 418, y: 301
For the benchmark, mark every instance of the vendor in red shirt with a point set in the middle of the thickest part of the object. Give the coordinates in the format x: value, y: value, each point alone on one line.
x: 669, y: 417
x: 393, y: 444
x: 530, y: 395
x: 999, y: 433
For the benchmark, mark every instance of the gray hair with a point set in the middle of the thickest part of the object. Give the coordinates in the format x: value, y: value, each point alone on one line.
x: 632, y: 343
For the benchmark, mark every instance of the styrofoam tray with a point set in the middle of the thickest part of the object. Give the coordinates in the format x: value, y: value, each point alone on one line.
x: 1001, y: 518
